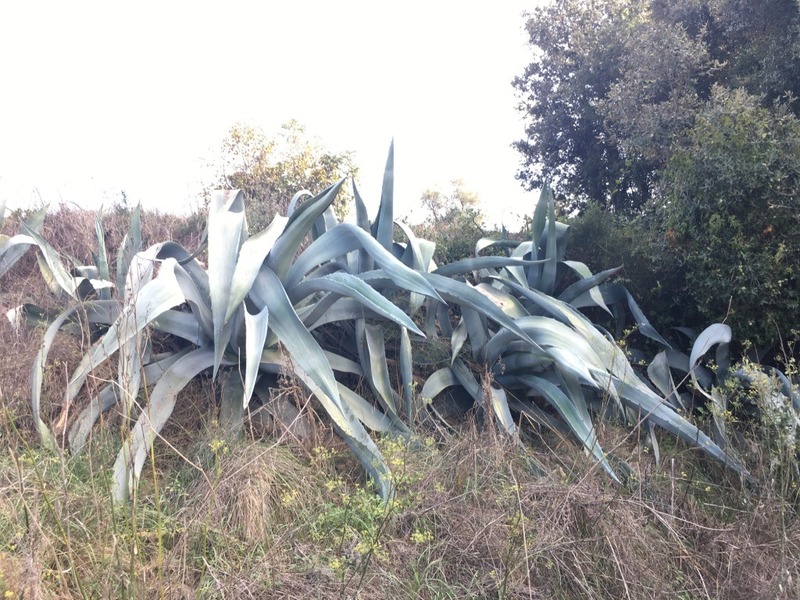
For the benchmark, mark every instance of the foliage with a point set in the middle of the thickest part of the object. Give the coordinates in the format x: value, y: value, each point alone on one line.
x: 453, y: 222
x: 271, y: 169
x: 616, y: 84
x: 731, y: 201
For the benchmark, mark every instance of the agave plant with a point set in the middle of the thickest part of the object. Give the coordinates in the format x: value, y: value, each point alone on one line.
x: 326, y: 296
x: 565, y: 360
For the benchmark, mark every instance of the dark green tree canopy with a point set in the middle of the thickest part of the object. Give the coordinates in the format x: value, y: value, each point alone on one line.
x: 616, y: 85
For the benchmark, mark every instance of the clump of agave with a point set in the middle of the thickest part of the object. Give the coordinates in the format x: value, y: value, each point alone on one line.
x: 518, y: 346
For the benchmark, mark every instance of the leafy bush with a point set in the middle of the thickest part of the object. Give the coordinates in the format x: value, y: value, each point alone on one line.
x: 732, y: 200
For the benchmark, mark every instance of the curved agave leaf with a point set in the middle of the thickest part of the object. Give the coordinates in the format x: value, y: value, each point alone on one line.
x: 468, y: 265
x: 13, y: 248
x: 256, y: 325
x: 343, y: 309
x: 499, y: 402
x: 346, y: 285
x: 650, y: 406
x: 252, y: 254
x: 587, y: 285
x: 297, y: 227
x: 38, y: 370
x: 131, y: 457
x: 369, y: 415
x: 108, y: 397
x: 615, y: 293
x: 182, y: 325
x: 55, y: 267
x: 485, y: 242
x: 505, y: 301
x: 296, y: 199
x: 659, y: 373
x: 155, y: 298
x: 347, y: 237
x: 457, y: 339
x: 312, y: 367
x: 717, y: 334
x: 226, y: 233
x: 574, y: 412
x: 465, y: 295
x: 437, y: 382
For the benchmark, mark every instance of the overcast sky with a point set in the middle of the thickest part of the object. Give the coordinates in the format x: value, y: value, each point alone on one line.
x: 99, y: 97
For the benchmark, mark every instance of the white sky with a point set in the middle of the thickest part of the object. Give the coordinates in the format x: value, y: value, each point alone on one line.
x: 103, y: 96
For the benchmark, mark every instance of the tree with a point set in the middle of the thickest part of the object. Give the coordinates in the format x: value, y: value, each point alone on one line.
x: 616, y: 85
x: 732, y: 205
x: 271, y: 170
x: 453, y: 221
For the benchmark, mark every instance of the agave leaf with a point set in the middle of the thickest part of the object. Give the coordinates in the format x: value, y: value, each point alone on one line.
x: 549, y: 268
x: 346, y: 237
x: 438, y: 382
x: 182, y: 325
x: 343, y: 365
x: 131, y: 245
x: 540, y: 218
x: 477, y: 329
x: 407, y: 375
x: 131, y: 457
x: 365, y: 262
x: 297, y: 227
x: 484, y: 243
x: 14, y: 247
x: 38, y: 370
x: 256, y: 325
x: 465, y: 295
x: 312, y: 367
x: 226, y: 233
x: 252, y: 254
x: 457, y: 339
x: 56, y: 268
x: 720, y: 334
x: 467, y: 380
x: 344, y: 309
x: 378, y: 368
x: 383, y: 226
x: 638, y: 397
x: 231, y: 409
x: 102, y: 256
x: 155, y: 298
x: 344, y: 284
x: 505, y: 301
x: 587, y: 285
x: 296, y: 199
x: 108, y: 396
x: 659, y: 373
x: 499, y: 402
x: 370, y: 415
x: 467, y: 265
x: 575, y: 414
